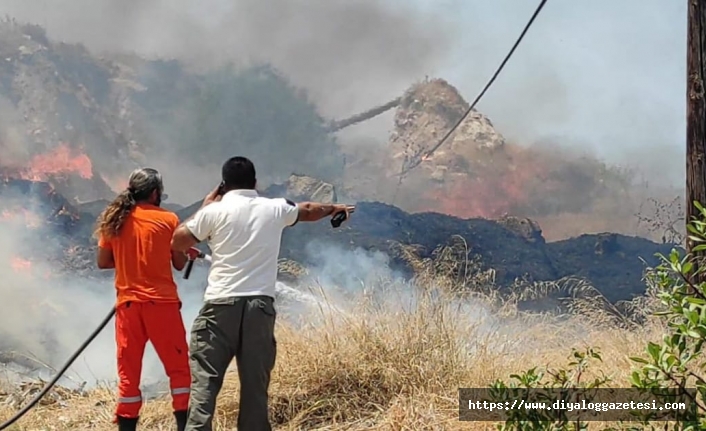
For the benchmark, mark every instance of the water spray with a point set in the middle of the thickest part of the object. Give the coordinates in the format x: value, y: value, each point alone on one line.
x: 336, y: 222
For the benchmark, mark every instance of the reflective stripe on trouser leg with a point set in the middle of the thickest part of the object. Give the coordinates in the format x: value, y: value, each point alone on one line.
x: 128, y: 407
x: 131, y: 338
x: 180, y: 399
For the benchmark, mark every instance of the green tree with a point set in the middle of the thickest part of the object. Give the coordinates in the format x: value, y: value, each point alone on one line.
x: 257, y: 113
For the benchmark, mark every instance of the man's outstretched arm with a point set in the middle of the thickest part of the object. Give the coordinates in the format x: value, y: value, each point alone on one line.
x: 315, y: 211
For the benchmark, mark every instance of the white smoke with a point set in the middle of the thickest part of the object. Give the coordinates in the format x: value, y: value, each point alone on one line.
x: 47, y: 316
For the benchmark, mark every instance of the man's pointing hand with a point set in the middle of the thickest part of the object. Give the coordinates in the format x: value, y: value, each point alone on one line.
x: 339, y: 208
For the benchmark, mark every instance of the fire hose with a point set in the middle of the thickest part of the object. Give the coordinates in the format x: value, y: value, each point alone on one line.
x: 59, y: 373
x: 23, y: 411
x: 335, y: 222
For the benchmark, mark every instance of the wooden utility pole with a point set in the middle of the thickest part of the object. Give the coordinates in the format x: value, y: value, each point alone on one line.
x: 695, y: 113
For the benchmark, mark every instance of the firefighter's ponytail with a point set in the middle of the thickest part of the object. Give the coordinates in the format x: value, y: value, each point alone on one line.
x: 142, y: 183
x: 113, y: 216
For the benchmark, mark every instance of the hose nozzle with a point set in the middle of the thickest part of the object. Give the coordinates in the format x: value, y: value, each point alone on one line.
x: 190, y: 264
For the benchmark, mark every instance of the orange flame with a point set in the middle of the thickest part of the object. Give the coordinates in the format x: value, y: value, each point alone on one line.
x: 61, y: 161
x: 20, y: 265
x: 492, y: 190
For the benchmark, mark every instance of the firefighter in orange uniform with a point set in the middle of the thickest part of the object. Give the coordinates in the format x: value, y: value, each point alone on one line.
x: 134, y: 237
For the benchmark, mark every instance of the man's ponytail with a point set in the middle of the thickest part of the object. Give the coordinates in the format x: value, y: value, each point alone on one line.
x: 141, y: 185
x: 113, y: 216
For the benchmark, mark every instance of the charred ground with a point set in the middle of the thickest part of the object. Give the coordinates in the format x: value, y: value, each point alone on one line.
x: 512, y: 248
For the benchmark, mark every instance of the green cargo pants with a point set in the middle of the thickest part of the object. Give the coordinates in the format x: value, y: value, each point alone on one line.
x: 233, y: 327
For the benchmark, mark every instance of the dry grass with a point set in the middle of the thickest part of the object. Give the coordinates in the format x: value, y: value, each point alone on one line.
x: 391, y: 360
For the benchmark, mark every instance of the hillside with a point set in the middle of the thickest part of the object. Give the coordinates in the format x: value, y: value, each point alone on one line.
x: 381, y: 320
x: 80, y: 122
x: 512, y: 248
x: 121, y: 111
x: 477, y: 172
x: 104, y: 115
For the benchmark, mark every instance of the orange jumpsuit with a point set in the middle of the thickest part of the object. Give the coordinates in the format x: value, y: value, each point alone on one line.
x: 148, y: 307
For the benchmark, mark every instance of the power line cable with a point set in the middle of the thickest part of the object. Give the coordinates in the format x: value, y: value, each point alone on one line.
x: 418, y: 157
x: 416, y: 163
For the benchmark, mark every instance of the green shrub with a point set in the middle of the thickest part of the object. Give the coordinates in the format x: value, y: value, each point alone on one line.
x: 561, y: 380
x: 667, y: 370
x: 677, y: 362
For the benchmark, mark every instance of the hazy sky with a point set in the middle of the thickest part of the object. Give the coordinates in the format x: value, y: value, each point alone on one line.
x: 607, y: 76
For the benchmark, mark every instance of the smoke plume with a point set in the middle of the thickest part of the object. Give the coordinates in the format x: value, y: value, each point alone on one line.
x: 47, y: 313
x: 349, y: 54
x: 583, y: 76
x: 12, y: 139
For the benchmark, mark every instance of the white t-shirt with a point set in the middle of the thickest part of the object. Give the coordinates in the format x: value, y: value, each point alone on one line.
x: 244, y: 232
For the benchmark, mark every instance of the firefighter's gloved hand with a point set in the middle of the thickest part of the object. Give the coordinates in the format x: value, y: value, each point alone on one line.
x: 193, y: 253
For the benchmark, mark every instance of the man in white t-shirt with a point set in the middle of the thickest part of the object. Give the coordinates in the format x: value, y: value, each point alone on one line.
x: 243, y: 231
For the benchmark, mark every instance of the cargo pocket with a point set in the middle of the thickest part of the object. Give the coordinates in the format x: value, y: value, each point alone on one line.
x: 199, y: 334
x: 270, y: 312
x: 207, y: 353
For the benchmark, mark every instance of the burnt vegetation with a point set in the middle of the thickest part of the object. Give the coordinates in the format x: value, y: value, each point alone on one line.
x: 382, y: 366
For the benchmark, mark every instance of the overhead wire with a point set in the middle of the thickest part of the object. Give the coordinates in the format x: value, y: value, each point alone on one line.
x: 418, y: 158
x: 405, y: 170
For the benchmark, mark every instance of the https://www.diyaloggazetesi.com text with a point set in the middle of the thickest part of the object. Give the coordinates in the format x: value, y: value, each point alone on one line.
x: 588, y: 405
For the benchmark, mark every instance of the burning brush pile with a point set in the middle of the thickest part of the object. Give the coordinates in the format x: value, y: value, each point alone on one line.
x: 46, y: 214
x: 33, y: 205
x: 69, y: 171
x: 476, y: 172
